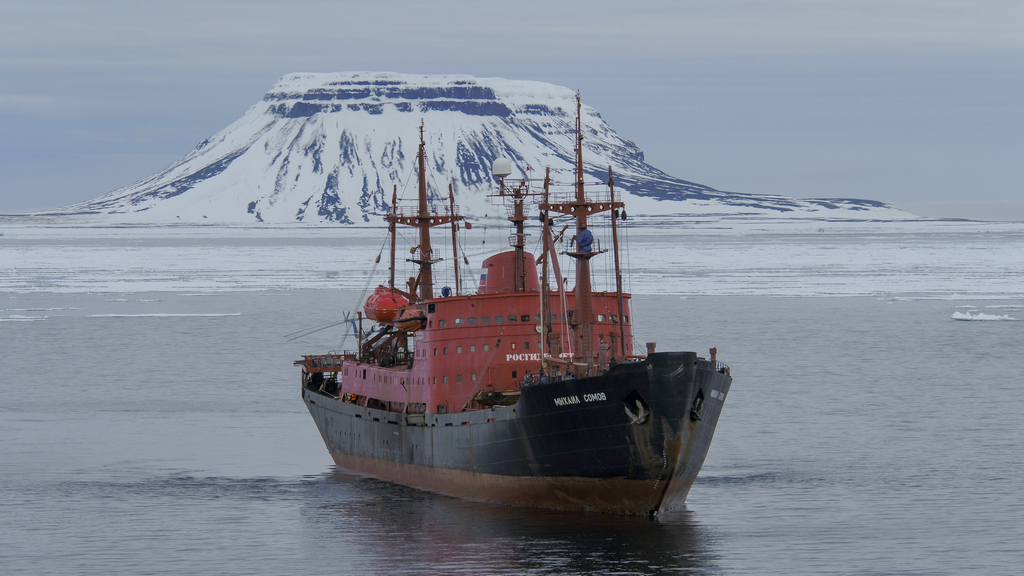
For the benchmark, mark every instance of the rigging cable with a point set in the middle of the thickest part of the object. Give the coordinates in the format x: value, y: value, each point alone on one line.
x: 362, y: 295
x: 629, y: 282
x: 348, y: 315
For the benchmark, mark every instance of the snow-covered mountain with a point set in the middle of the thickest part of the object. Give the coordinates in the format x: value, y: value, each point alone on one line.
x: 329, y: 147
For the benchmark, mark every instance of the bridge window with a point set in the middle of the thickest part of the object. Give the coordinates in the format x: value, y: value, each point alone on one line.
x: 536, y: 317
x: 471, y: 321
x: 526, y: 345
x: 526, y: 318
x: 458, y: 378
x: 499, y: 319
x: 485, y: 320
x: 552, y: 318
x: 458, y: 349
x: 487, y: 347
x: 435, y: 351
x: 472, y: 347
x: 458, y: 321
x: 440, y: 323
x: 445, y: 350
x: 513, y: 318
x: 445, y: 379
x: 472, y: 376
x: 601, y: 317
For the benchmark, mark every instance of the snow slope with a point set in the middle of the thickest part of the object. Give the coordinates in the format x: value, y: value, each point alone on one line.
x: 328, y: 148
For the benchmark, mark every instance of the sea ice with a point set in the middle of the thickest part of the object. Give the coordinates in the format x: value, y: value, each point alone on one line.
x: 681, y: 256
x: 979, y: 316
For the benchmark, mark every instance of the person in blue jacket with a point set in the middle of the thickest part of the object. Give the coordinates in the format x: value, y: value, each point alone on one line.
x: 585, y: 239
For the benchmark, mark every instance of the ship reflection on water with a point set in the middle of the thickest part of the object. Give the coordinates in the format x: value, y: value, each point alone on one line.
x: 372, y: 526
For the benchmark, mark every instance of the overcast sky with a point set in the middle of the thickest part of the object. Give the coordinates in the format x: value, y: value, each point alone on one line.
x: 919, y: 103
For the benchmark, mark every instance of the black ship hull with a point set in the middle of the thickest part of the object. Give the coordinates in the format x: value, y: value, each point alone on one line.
x: 630, y: 441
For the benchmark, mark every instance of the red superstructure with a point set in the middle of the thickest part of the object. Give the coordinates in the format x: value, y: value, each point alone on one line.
x: 455, y: 352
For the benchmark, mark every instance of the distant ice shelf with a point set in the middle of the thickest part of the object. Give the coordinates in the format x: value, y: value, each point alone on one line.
x: 889, y: 260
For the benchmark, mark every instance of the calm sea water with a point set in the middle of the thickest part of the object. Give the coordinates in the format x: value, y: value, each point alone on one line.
x: 162, y: 433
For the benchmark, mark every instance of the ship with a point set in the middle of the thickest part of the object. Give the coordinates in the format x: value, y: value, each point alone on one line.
x: 524, y: 392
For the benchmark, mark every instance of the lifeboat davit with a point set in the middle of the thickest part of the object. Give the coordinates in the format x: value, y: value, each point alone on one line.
x: 383, y: 305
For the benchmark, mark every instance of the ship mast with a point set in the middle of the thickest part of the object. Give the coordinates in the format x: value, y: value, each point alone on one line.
x: 545, y: 287
x: 391, y: 227
x: 455, y: 245
x: 580, y: 208
x: 423, y: 285
x: 517, y: 216
x: 519, y: 219
x: 426, y: 279
x: 618, y: 268
x: 584, y: 301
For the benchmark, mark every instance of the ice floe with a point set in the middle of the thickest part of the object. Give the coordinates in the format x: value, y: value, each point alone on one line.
x: 980, y: 316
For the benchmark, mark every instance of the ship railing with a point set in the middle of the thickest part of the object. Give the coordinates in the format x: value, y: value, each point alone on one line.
x: 723, y: 368
x: 405, y: 209
x: 386, y: 358
x: 510, y: 211
x: 334, y: 362
x: 570, y: 197
x: 515, y: 239
x: 325, y: 362
x: 595, y: 248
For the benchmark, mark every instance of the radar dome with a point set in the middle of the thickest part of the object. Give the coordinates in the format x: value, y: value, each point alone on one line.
x: 501, y: 168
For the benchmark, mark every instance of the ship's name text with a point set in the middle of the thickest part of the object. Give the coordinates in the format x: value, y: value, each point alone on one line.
x: 569, y: 400
x: 522, y: 357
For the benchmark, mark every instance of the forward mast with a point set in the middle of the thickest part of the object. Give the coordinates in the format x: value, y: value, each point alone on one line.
x: 422, y: 287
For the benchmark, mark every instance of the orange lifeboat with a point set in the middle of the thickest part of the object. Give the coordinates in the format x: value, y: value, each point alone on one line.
x: 383, y: 305
x: 411, y: 319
